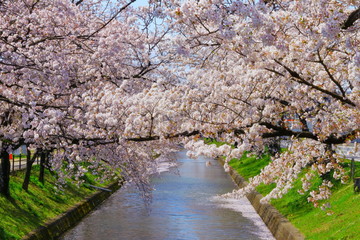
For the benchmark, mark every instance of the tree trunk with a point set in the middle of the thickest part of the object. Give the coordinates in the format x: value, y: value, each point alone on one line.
x: 274, y: 146
x: 5, y: 173
x: 42, y: 166
x: 357, y: 185
x: 29, y: 162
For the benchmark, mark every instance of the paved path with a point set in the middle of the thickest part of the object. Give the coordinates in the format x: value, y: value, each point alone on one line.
x: 349, y: 151
x: 18, y: 164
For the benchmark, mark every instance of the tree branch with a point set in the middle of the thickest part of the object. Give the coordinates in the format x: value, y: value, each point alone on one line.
x: 111, y: 19
x: 281, y: 131
x: 321, y: 61
x: 299, y: 79
x: 152, y: 138
x: 79, y: 2
x: 353, y: 17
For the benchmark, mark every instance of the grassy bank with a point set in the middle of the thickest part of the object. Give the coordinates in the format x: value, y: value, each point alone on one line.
x: 341, y: 221
x: 26, y: 211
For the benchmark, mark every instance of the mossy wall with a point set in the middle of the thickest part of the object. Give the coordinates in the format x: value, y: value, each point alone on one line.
x: 67, y: 220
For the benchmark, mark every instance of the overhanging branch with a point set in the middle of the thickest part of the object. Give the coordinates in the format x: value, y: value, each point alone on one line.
x: 279, y: 131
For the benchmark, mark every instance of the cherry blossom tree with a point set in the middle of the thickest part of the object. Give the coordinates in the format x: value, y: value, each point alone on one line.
x: 68, y: 72
x: 114, y: 86
x: 255, y: 64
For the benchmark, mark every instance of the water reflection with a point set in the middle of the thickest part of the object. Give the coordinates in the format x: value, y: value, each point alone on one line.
x: 184, y: 206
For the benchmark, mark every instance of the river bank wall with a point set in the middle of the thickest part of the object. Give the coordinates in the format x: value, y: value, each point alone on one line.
x: 56, y: 227
x: 278, y: 225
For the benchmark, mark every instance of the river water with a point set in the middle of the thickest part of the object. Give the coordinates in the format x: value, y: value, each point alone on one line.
x: 186, y: 206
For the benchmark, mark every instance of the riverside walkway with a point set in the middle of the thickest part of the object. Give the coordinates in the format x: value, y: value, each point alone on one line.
x: 349, y: 151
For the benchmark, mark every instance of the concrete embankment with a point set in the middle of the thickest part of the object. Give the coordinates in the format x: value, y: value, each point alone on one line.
x: 56, y: 227
x: 278, y: 225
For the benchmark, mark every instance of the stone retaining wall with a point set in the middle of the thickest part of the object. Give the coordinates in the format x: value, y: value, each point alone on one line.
x: 55, y: 227
x: 278, y: 225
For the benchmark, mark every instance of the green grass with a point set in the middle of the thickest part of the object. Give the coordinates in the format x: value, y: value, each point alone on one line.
x: 249, y: 165
x: 26, y: 211
x: 17, y: 157
x: 341, y: 221
x: 213, y: 141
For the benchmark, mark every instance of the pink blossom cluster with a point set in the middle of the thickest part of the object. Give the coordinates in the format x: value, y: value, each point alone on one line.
x: 116, y: 85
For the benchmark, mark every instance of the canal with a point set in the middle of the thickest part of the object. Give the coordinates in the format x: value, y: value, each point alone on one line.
x: 186, y: 206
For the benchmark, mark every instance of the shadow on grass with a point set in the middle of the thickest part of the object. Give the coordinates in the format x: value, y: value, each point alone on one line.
x: 13, y: 202
x: 4, y: 235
